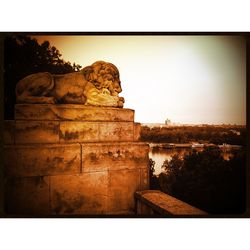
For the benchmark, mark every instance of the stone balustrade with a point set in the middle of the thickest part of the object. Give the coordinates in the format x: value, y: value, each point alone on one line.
x: 157, y: 203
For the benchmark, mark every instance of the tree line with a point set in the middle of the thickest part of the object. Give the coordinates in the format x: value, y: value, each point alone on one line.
x: 23, y: 55
x: 235, y: 135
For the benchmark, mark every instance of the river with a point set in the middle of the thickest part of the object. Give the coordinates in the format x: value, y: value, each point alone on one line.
x: 159, y: 155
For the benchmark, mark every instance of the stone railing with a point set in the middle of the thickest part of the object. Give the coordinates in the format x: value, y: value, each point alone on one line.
x: 157, y: 203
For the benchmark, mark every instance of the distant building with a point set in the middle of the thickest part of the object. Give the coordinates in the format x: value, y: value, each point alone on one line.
x: 168, y: 122
x: 161, y: 125
x: 153, y: 125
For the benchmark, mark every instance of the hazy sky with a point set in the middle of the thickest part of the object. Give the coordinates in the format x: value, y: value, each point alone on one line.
x: 188, y: 79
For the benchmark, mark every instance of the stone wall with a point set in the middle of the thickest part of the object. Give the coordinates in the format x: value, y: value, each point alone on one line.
x: 156, y: 203
x: 73, y: 160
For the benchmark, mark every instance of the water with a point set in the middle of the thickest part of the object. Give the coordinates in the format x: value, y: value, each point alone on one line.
x: 159, y: 155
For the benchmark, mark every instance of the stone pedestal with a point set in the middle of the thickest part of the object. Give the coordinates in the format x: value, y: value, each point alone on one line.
x: 73, y: 160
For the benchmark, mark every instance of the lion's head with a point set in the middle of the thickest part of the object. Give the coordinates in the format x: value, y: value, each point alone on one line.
x: 104, y: 75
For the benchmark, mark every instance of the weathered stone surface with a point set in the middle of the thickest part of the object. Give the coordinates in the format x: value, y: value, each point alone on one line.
x: 79, y: 131
x: 122, y: 185
x: 71, y: 112
x: 113, y: 156
x: 27, y: 196
x: 40, y: 160
x: 137, y: 131
x: 116, y: 131
x: 142, y: 209
x: 74, y: 160
x: 36, y: 132
x: 79, y: 194
x: 144, y: 179
x: 8, y: 132
x: 164, y: 204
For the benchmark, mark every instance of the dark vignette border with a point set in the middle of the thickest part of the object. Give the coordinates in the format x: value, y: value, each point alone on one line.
x: 246, y: 35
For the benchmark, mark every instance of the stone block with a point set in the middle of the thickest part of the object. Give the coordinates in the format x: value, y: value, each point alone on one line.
x: 9, y: 132
x: 144, y: 179
x: 43, y: 159
x: 122, y: 185
x: 84, y: 194
x: 72, y: 112
x: 36, y: 132
x: 79, y: 131
x: 27, y: 196
x: 116, y: 131
x: 35, y: 112
x: 114, y: 156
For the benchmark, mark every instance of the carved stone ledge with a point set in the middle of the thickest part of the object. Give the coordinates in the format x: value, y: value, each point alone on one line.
x: 71, y: 112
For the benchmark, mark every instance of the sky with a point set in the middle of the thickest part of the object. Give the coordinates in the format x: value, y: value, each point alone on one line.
x: 187, y: 79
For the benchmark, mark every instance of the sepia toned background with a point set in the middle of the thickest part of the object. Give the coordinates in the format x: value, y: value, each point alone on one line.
x: 170, y: 76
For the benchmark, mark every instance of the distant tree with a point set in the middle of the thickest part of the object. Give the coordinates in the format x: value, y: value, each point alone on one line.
x: 206, y: 180
x: 168, y: 178
x: 154, y: 182
x: 23, y: 56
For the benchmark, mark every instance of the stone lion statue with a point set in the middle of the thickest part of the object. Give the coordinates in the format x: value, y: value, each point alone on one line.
x: 98, y: 85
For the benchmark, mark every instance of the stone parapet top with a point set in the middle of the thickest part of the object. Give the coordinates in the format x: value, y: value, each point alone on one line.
x: 165, y: 205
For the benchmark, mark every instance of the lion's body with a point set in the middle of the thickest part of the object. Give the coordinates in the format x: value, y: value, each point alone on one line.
x: 98, y: 84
